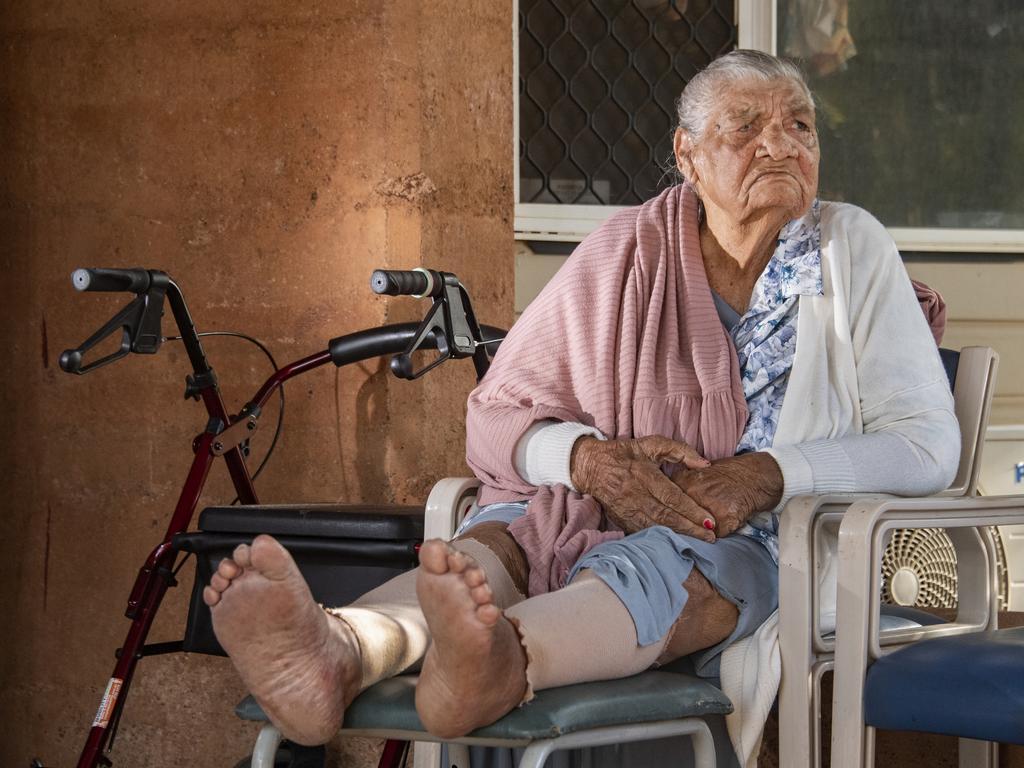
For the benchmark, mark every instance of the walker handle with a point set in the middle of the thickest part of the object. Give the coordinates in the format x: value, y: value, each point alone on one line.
x: 401, y: 282
x: 112, y: 280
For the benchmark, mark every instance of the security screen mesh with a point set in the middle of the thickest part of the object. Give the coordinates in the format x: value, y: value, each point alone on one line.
x: 597, y: 84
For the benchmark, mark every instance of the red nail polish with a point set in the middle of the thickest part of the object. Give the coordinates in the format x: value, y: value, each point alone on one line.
x: 709, y: 523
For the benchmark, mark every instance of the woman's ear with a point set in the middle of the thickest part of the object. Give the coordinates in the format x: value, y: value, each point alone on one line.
x: 683, y: 149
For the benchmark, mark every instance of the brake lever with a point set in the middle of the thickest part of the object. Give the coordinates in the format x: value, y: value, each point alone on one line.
x: 139, y: 323
x: 435, y: 327
x: 451, y: 324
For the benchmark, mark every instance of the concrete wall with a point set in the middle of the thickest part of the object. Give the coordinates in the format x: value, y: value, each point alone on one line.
x: 268, y: 155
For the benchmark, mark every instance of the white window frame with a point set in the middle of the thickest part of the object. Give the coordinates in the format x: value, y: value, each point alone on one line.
x: 757, y: 28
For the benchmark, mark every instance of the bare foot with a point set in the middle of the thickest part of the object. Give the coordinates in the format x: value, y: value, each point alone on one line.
x: 302, y: 666
x: 475, y: 669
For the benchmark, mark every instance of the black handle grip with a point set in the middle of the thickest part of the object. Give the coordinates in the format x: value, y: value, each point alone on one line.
x: 401, y: 282
x: 115, y: 280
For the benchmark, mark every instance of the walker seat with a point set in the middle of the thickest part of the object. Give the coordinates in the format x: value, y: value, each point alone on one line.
x: 342, y: 550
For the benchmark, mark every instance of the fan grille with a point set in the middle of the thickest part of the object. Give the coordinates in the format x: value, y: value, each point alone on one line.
x: 919, y: 569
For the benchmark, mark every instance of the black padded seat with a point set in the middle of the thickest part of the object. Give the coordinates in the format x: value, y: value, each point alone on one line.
x: 647, y: 697
x: 342, y: 550
x: 332, y: 521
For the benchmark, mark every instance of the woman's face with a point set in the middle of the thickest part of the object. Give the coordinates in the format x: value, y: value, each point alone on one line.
x: 758, y: 154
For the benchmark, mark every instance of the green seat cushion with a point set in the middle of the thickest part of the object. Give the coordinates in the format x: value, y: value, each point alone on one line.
x: 643, y: 698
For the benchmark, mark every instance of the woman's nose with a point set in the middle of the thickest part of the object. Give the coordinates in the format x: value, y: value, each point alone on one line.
x: 777, y: 143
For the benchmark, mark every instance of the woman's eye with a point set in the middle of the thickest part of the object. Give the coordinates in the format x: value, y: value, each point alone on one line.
x: 745, y: 128
x: 802, y: 126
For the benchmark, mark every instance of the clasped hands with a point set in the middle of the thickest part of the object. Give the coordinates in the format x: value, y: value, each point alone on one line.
x: 703, y: 499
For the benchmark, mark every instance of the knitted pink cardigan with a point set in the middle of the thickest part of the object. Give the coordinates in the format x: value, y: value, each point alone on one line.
x: 625, y: 338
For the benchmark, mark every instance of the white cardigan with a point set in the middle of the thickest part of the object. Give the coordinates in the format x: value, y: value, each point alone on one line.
x: 868, y: 408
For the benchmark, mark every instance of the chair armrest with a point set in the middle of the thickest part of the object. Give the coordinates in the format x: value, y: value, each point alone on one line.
x: 808, y: 530
x: 447, y: 504
x: 862, y: 537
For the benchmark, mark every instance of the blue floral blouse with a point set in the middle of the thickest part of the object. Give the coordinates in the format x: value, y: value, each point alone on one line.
x: 765, y: 339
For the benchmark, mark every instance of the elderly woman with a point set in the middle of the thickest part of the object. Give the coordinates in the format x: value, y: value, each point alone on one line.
x: 699, y: 360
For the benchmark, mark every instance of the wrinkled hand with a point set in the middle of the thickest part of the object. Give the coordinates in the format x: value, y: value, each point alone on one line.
x: 625, y: 477
x: 734, y: 489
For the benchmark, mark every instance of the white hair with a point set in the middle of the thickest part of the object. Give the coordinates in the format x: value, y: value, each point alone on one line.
x: 702, y: 94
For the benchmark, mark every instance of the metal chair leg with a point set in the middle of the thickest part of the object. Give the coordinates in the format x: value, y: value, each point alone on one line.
x: 426, y: 754
x: 978, y: 754
x: 265, y: 751
x: 703, y: 744
x: 458, y: 756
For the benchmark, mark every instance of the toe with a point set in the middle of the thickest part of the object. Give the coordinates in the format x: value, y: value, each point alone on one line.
x: 270, y: 558
x: 488, y: 614
x: 481, y: 594
x: 211, y: 596
x: 474, y: 576
x: 457, y: 562
x: 228, y: 568
x: 242, y: 556
x: 434, y: 556
x: 219, y: 583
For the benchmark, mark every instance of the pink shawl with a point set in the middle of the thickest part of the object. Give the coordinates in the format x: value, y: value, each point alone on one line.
x: 934, y: 309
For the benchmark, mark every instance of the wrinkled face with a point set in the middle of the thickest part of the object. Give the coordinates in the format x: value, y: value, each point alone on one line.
x: 758, y: 154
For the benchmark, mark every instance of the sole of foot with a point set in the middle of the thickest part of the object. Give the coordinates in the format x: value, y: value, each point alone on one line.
x: 300, y: 664
x: 475, y: 669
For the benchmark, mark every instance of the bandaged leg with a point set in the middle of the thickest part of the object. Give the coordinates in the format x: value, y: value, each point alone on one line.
x: 389, y: 623
x: 578, y: 634
x: 603, y: 643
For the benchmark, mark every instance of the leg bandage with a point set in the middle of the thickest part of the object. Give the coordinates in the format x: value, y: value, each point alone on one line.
x: 389, y: 624
x: 577, y: 634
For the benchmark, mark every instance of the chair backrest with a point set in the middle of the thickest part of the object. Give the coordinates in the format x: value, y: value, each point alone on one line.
x: 974, y: 379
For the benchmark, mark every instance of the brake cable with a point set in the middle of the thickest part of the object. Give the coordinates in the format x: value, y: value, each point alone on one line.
x: 273, y: 364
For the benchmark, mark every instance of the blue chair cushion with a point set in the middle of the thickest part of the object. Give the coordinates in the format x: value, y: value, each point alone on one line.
x: 900, y: 617
x: 970, y: 686
x: 647, y: 697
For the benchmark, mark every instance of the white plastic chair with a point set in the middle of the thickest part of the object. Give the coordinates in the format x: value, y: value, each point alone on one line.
x: 863, y: 534
x: 808, y: 538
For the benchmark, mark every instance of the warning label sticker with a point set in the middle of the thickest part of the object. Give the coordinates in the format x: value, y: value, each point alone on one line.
x: 107, y: 704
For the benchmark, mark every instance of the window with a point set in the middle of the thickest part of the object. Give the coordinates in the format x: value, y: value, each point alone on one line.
x: 919, y: 104
x: 919, y: 108
x: 596, y: 82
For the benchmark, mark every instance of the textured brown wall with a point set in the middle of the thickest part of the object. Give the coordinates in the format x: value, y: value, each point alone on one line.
x: 268, y: 155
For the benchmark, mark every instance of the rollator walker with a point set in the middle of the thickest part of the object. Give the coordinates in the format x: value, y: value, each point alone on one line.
x: 373, y: 543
